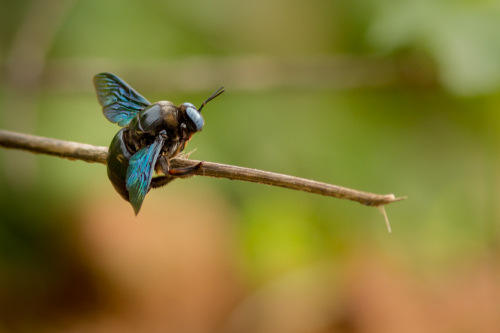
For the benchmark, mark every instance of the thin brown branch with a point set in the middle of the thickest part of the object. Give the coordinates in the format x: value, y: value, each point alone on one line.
x: 96, y: 154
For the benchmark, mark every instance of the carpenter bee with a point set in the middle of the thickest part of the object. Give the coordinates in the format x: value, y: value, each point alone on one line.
x: 138, y: 157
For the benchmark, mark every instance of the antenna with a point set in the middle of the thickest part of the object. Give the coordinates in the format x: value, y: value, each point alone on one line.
x: 215, y: 94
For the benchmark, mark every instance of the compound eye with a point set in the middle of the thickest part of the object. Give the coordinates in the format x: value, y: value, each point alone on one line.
x: 189, y: 105
x: 195, y: 117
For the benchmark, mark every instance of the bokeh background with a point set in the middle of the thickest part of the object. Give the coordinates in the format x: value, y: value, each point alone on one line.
x: 385, y: 96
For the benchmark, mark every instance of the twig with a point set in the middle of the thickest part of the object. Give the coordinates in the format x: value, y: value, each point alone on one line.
x: 96, y: 154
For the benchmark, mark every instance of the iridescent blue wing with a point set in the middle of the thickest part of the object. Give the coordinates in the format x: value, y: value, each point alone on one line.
x: 140, y: 172
x: 120, y: 102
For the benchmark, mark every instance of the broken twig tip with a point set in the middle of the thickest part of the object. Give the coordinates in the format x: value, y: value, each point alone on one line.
x: 384, y: 214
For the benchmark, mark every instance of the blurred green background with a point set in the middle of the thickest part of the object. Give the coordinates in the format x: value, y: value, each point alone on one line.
x: 384, y: 96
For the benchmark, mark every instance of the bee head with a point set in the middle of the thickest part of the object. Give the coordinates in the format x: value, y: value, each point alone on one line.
x: 195, y: 119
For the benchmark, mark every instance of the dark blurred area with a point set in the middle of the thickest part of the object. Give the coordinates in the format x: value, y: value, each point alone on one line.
x: 383, y: 96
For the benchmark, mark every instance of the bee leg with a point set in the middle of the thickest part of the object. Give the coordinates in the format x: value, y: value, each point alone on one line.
x: 163, y: 164
x: 186, y: 171
x: 173, y: 173
x: 161, y: 181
